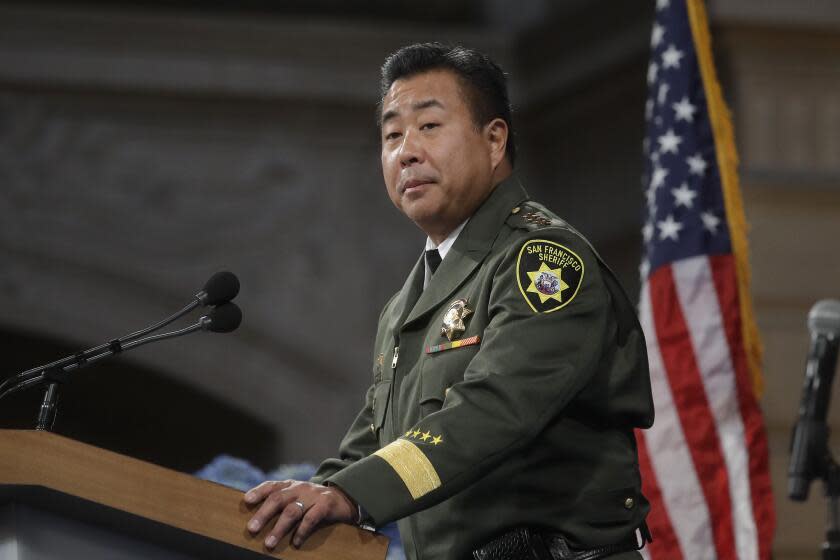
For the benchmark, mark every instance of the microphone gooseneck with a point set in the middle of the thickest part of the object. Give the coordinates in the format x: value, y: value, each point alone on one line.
x: 223, y: 317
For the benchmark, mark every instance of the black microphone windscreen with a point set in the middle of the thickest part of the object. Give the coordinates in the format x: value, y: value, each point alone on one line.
x: 225, y: 318
x: 222, y: 286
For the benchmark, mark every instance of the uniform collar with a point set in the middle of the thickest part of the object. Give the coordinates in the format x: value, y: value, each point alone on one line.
x: 471, y: 246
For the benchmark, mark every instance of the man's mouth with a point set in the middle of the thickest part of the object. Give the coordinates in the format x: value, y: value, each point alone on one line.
x: 414, y: 185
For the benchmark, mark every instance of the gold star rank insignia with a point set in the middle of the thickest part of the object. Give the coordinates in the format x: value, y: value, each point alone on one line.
x: 437, y: 439
x: 453, y: 319
x: 549, y: 275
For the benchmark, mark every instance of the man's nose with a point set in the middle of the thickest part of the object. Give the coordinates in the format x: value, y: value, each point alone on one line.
x: 411, y: 149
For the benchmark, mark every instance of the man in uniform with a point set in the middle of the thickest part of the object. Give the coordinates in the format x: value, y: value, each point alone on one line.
x: 509, y: 371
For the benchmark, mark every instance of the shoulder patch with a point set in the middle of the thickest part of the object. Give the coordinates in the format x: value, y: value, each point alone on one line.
x: 549, y: 275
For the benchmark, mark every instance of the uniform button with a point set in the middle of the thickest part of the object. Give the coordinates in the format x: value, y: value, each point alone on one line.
x: 628, y: 503
x: 516, y: 210
x: 372, y: 429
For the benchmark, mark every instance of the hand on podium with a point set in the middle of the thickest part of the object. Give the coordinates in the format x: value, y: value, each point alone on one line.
x: 304, y: 504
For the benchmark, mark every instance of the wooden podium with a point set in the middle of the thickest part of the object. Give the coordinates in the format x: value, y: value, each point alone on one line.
x: 63, y: 499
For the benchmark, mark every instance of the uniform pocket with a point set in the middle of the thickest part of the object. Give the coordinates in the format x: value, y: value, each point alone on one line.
x: 381, y: 398
x: 610, y: 507
x: 439, y: 373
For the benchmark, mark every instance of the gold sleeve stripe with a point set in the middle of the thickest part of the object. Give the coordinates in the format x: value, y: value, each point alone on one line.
x: 412, y: 466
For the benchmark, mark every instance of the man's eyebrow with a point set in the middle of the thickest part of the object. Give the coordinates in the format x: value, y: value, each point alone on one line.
x: 419, y: 106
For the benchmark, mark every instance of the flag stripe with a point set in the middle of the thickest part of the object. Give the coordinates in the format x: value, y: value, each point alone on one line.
x: 699, y: 301
x: 723, y: 269
x: 707, y: 464
x: 668, y: 452
x: 666, y: 538
x: 692, y: 406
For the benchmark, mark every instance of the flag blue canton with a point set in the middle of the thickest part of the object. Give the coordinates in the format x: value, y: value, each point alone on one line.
x: 685, y: 214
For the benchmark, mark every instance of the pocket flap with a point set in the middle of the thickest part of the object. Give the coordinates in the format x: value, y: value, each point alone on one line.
x: 381, y: 396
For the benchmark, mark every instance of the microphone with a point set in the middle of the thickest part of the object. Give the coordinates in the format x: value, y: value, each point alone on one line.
x: 220, y: 288
x: 809, y: 445
x: 222, y: 319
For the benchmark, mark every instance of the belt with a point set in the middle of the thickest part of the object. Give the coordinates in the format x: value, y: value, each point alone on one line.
x: 530, y: 544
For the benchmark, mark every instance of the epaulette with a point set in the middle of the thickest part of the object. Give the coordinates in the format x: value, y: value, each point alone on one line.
x: 533, y: 216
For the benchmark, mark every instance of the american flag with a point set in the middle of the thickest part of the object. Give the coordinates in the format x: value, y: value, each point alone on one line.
x: 704, y: 463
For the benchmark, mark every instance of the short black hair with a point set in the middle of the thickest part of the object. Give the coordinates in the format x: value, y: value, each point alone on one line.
x: 483, y: 81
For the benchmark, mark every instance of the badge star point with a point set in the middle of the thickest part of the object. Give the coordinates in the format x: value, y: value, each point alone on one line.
x: 669, y: 142
x: 453, y: 320
x: 426, y: 436
x: 416, y: 433
x: 408, y: 433
x: 437, y: 439
x: 669, y: 228
x: 544, y: 269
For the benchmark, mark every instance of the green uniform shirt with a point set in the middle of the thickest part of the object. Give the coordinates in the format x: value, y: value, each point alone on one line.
x: 523, y: 419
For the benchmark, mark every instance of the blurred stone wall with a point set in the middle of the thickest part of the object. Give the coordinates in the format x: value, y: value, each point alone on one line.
x: 141, y: 150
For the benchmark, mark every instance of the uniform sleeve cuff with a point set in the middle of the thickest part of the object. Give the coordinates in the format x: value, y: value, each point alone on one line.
x: 376, y: 488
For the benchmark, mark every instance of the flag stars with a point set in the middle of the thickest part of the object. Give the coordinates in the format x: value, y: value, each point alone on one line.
x: 684, y: 110
x: 647, y: 232
x: 653, y: 69
x: 669, y: 228
x: 658, y: 179
x: 669, y: 142
x: 663, y: 93
x: 710, y: 221
x: 684, y: 196
x: 650, y: 194
x: 656, y: 35
x: 696, y: 164
x: 671, y: 57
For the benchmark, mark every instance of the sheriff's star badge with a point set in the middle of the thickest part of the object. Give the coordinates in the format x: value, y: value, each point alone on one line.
x: 453, y: 320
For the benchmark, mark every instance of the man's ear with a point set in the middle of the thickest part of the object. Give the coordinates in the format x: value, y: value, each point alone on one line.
x: 496, y: 133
